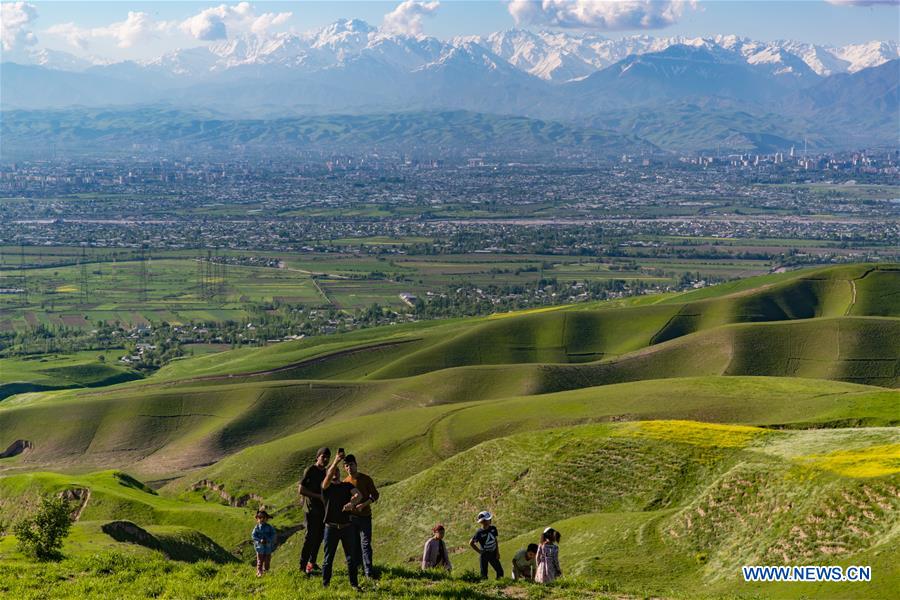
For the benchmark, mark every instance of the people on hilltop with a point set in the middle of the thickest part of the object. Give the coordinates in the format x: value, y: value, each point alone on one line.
x: 340, y: 498
x: 547, y: 557
x: 435, y: 555
x: 523, y: 563
x: 264, y: 538
x: 361, y: 515
x: 311, y: 489
x: 486, y: 544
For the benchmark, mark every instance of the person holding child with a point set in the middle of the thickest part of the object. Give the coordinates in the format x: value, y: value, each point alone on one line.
x: 486, y: 538
x: 435, y: 555
x: 263, y: 536
x: 547, y: 557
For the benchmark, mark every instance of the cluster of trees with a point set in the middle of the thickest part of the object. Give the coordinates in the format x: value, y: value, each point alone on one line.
x: 471, y: 300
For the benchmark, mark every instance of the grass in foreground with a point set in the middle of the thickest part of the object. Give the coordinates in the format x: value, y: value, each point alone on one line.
x: 132, y: 576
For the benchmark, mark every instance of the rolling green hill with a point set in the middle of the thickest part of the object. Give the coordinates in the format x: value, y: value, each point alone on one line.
x: 670, y: 441
x: 83, y: 369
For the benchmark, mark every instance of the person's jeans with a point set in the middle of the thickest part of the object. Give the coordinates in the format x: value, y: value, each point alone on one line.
x: 491, y: 558
x: 315, y: 529
x: 363, y: 527
x: 349, y: 540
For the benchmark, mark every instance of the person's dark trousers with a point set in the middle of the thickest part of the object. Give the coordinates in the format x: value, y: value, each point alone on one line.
x: 364, y: 547
x: 315, y: 529
x: 493, y: 559
x: 349, y: 540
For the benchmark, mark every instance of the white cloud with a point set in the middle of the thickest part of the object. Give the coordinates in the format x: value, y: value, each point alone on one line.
x: 219, y: 22
x: 72, y: 33
x: 210, y: 24
x: 15, y: 17
x: 864, y: 2
x: 136, y: 28
x: 608, y: 15
x: 407, y: 16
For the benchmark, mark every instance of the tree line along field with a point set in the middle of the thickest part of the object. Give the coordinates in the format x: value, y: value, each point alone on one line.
x: 671, y: 439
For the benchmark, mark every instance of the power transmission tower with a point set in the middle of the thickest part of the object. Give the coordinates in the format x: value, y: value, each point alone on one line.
x: 221, y: 278
x: 142, y: 276
x: 24, y: 273
x: 85, y: 294
x: 201, y: 280
x: 210, y: 291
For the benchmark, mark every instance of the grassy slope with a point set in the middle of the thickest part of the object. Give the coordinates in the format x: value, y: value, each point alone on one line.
x: 165, y: 429
x: 576, y: 333
x: 579, y: 336
x: 48, y: 372
x: 115, y: 496
x: 648, y: 506
x: 652, y: 507
x: 672, y: 503
x: 401, y: 443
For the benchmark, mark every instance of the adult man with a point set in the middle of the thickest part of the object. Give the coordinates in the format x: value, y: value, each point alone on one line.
x: 523, y: 565
x: 311, y: 489
x: 361, y: 517
x: 340, y: 498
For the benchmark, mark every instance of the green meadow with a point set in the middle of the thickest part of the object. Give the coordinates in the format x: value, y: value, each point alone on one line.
x: 671, y: 440
x: 60, y: 371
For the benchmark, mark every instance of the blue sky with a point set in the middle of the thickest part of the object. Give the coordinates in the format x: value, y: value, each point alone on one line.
x: 105, y: 29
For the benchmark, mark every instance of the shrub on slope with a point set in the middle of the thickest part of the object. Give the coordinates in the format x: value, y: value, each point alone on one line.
x: 111, y: 495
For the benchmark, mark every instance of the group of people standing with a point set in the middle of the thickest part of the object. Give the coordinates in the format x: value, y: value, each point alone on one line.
x: 338, y: 512
x: 537, y: 562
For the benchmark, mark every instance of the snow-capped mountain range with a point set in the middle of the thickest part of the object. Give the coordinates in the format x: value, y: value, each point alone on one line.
x: 672, y: 92
x: 553, y: 56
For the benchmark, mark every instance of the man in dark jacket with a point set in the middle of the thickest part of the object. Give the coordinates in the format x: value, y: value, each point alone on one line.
x: 361, y: 517
x: 311, y: 489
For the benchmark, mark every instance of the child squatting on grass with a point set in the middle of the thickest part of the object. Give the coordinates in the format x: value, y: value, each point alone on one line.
x: 523, y: 563
x: 486, y: 537
x: 263, y: 536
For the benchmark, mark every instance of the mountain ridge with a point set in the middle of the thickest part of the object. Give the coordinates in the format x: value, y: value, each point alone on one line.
x: 352, y: 68
x: 548, y: 55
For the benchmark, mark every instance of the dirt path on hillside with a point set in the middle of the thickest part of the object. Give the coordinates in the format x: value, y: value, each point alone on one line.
x: 852, y: 298
x: 84, y: 503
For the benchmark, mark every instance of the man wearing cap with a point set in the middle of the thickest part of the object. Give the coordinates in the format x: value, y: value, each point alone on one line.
x: 311, y: 489
x: 361, y: 516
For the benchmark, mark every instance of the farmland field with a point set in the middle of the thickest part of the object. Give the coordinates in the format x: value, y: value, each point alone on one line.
x: 115, y: 294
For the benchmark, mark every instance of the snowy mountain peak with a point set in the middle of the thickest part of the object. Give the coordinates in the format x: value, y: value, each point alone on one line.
x: 555, y: 56
x: 346, y: 33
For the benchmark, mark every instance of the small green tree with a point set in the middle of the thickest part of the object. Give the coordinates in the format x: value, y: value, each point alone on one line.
x: 41, y: 535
